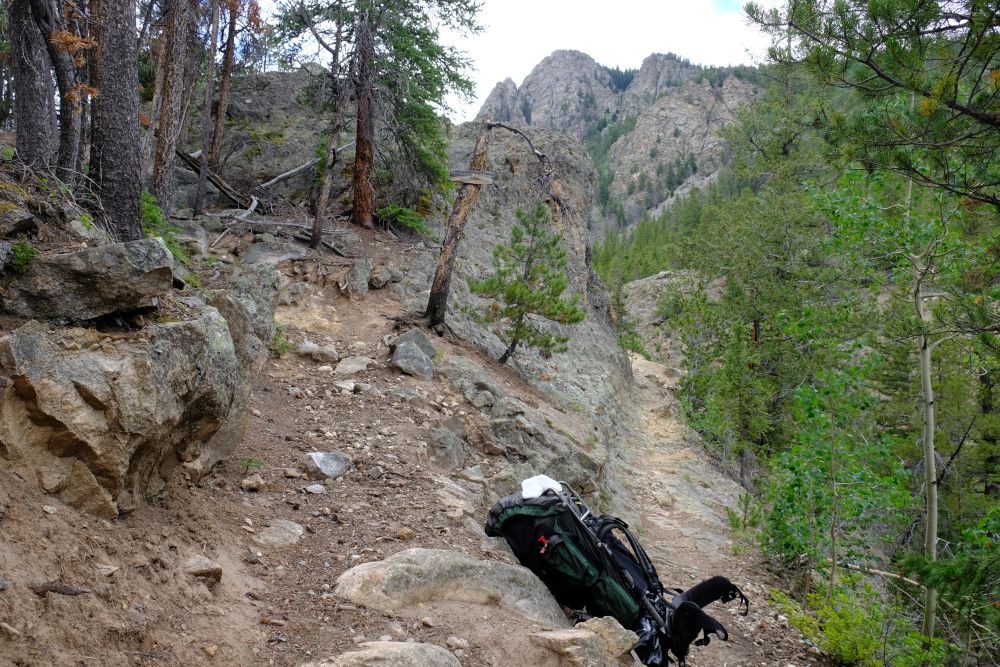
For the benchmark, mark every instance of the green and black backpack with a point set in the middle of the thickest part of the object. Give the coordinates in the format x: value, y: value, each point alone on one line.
x: 579, y: 558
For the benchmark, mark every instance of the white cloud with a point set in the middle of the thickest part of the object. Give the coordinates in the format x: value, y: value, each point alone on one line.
x: 519, y: 33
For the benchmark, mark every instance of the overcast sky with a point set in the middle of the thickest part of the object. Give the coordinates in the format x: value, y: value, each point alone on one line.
x: 519, y: 33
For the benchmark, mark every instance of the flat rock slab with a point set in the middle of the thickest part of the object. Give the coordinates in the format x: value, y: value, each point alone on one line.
x: 351, y: 365
x: 392, y: 654
x: 271, y: 253
x: 92, y: 282
x: 420, y: 575
x: 279, y: 534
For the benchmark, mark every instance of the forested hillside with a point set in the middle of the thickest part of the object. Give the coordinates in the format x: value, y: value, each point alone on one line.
x: 838, y: 312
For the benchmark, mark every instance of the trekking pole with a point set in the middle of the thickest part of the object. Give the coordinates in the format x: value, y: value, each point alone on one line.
x: 607, y: 553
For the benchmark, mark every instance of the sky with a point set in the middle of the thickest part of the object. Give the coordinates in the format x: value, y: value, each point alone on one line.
x: 520, y: 33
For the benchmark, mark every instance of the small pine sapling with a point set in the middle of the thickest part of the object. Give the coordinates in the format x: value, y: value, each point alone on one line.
x: 528, y: 285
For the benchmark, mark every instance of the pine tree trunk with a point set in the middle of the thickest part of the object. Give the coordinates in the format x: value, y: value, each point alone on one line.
x: 162, y: 185
x: 32, y: 87
x: 51, y: 20
x: 364, y: 151
x: 437, y: 304
x: 227, y: 80
x: 114, y: 145
x: 335, y: 127
x: 206, y: 109
x: 149, y: 141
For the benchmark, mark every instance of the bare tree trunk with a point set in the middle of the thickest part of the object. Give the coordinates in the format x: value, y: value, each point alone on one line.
x: 162, y: 185
x: 227, y: 80
x: 190, y: 75
x: 335, y: 127
x: 50, y: 20
x: 437, y: 304
x: 364, y: 149
x: 206, y: 109
x: 930, y: 467
x: 114, y: 147
x: 33, y: 100
x: 149, y: 142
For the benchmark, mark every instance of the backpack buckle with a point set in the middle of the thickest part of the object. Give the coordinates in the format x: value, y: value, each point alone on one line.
x: 545, y: 544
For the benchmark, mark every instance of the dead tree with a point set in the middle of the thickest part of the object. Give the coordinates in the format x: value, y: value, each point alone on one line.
x: 437, y: 304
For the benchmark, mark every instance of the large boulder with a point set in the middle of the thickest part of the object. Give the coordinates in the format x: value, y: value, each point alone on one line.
x: 102, y: 422
x: 391, y: 654
x: 191, y: 235
x: 419, y: 575
x: 92, y: 282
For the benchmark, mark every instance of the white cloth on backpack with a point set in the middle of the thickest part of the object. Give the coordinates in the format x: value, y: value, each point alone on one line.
x: 537, y: 485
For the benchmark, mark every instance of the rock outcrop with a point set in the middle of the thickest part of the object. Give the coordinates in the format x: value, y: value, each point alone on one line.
x: 96, y: 281
x: 420, y: 575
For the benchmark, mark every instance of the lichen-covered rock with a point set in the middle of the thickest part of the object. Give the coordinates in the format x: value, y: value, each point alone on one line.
x: 92, y: 282
x: 410, y: 359
x: 102, y: 422
x: 191, y: 235
x: 422, y: 575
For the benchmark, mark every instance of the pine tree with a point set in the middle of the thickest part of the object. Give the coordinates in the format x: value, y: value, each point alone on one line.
x: 528, y: 282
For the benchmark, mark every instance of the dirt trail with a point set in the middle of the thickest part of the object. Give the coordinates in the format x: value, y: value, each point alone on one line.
x: 681, y: 497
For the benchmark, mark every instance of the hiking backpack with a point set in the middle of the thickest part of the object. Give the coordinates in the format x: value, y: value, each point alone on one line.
x: 584, y: 564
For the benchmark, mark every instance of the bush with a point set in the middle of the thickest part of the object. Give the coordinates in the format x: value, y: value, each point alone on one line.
x: 405, y: 217
x: 22, y: 254
x: 155, y: 224
x: 280, y: 344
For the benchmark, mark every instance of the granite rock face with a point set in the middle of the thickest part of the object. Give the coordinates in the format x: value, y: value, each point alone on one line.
x: 410, y: 359
x: 92, y: 282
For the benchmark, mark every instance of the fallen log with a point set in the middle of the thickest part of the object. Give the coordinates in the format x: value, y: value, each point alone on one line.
x: 226, y: 189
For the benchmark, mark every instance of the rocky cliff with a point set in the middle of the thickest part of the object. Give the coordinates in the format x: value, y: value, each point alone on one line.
x: 650, y: 140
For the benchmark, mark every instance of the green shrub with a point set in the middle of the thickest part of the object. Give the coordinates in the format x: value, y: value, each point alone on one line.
x: 252, y: 462
x: 405, y: 217
x: 280, y: 344
x: 22, y: 254
x: 155, y: 224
